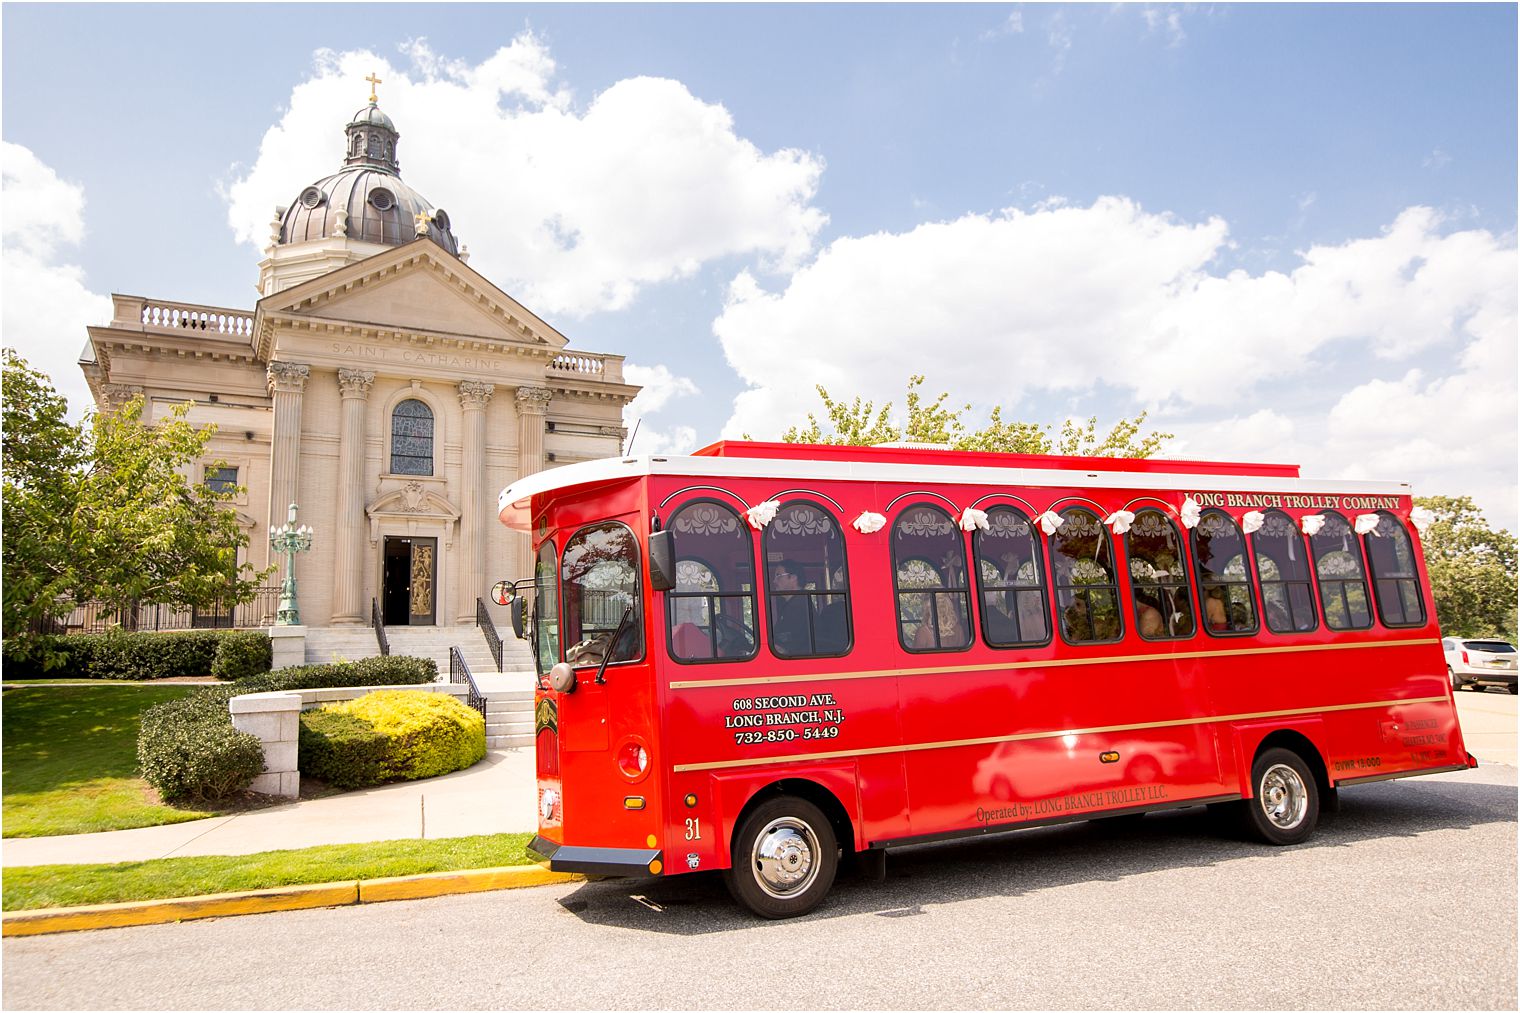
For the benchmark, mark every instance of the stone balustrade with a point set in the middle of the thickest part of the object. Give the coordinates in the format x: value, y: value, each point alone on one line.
x: 275, y: 718
x: 590, y: 365
x: 165, y: 317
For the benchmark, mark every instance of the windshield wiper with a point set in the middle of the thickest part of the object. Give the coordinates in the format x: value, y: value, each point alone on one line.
x: 612, y: 644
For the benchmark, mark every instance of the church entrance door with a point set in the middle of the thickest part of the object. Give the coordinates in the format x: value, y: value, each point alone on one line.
x: 410, y: 597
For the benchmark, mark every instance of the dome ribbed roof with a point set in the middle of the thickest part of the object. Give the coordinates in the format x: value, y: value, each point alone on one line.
x: 376, y: 206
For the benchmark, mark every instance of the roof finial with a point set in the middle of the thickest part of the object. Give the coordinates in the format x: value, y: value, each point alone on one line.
x: 373, y: 80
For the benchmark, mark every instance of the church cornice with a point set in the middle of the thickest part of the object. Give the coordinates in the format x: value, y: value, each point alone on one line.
x: 358, y: 330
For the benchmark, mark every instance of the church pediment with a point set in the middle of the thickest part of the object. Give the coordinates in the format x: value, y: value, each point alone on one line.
x: 416, y: 288
x: 413, y: 500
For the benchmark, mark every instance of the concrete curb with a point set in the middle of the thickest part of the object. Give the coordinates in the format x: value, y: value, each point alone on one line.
x: 280, y: 898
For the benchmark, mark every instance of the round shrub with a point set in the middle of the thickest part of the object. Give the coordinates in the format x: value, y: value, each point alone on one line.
x: 190, y: 752
x: 390, y: 735
x: 241, y: 654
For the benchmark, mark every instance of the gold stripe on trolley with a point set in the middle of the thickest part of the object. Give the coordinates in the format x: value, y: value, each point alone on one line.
x: 915, y: 747
x: 882, y: 673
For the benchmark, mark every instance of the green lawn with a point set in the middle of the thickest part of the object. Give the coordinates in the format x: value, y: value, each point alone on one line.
x: 37, y: 886
x: 70, y: 759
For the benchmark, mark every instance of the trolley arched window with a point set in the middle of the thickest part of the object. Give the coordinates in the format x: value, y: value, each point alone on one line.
x: 807, y: 583
x: 1390, y: 557
x: 929, y: 571
x: 1082, y: 565
x: 599, y: 576
x: 1158, y: 579
x: 1010, y: 578
x: 546, y: 607
x: 412, y: 438
x: 710, y: 613
x: 1282, y: 566
x: 1342, y: 583
x: 1224, y: 576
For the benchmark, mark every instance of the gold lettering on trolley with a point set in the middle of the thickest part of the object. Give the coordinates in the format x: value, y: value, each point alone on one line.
x: 1266, y: 501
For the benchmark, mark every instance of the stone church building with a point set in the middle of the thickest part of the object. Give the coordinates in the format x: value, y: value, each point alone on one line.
x: 380, y: 383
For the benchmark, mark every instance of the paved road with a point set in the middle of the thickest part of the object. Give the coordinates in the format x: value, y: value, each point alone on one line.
x: 1488, y: 724
x: 1405, y: 900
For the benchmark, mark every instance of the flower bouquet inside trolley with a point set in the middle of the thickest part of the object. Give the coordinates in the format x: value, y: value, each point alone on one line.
x: 763, y: 657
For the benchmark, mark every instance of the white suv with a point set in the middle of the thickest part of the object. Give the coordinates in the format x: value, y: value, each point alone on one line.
x: 1478, y: 664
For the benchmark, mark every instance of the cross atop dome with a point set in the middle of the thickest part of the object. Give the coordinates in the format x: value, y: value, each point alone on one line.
x: 373, y: 81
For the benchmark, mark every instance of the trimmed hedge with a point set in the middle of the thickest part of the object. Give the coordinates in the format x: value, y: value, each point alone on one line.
x: 117, y: 654
x: 242, y: 653
x: 189, y: 751
x: 390, y: 735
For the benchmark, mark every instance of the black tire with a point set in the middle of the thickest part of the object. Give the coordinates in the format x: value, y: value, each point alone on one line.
x: 1284, y: 808
x: 1456, y: 680
x: 784, y: 858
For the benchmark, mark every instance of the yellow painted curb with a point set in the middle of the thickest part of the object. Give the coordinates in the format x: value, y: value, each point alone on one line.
x: 153, y: 912
x: 437, y: 884
x: 279, y: 898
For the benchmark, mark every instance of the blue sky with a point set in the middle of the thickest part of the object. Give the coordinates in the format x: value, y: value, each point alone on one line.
x: 1286, y: 231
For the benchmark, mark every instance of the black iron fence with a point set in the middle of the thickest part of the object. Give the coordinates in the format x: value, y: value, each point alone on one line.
x: 488, y: 627
x: 459, y: 674
x: 378, y: 622
x: 99, y: 616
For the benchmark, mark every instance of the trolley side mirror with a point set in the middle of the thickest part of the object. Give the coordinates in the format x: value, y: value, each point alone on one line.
x: 518, y: 609
x: 662, y: 561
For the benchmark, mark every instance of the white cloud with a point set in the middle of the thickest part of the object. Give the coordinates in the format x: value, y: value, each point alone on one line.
x: 660, y: 387
x: 47, y: 305
x: 1070, y: 301
x: 1013, y: 24
x: 1437, y: 159
x: 1168, y: 21
x: 572, y: 209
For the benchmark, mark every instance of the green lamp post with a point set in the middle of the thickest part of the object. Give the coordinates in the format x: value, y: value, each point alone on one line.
x: 290, y: 539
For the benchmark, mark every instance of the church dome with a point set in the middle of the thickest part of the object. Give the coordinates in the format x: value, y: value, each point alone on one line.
x: 366, y: 200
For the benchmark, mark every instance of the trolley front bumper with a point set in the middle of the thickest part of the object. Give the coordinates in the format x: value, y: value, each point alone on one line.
x: 593, y: 861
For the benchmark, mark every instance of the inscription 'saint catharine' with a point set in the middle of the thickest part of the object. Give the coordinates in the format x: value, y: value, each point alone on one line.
x: 418, y: 357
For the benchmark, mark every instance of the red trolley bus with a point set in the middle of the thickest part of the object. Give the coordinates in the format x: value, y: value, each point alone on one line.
x: 761, y: 656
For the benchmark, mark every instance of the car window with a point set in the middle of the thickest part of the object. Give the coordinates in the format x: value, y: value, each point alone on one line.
x: 1491, y: 646
x: 1447, y: 645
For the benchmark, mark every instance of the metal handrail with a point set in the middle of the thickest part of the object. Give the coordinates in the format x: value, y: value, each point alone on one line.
x: 488, y: 627
x: 379, y: 625
x: 459, y: 673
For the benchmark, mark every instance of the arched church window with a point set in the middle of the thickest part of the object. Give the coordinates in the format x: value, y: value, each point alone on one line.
x: 412, y: 438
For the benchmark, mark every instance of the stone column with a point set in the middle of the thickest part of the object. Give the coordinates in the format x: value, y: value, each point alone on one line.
x: 475, y: 499
x: 287, y: 386
x: 349, y: 606
x: 532, y: 406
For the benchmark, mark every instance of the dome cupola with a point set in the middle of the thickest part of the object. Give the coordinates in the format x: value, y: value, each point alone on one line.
x: 366, y: 200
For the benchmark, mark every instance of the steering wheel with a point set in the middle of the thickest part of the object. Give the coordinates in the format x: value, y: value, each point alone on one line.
x: 729, y: 624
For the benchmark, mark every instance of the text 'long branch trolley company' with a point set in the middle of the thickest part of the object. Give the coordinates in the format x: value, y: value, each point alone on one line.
x: 762, y: 656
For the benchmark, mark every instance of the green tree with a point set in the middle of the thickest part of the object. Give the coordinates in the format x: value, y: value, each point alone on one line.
x: 1472, y: 569
x: 862, y: 423
x: 110, y: 511
x: 41, y: 459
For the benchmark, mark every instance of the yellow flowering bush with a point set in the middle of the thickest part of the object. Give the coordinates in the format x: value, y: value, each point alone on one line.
x: 390, y: 735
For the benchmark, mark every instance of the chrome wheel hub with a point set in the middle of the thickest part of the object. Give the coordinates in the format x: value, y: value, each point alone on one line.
x: 1283, y: 796
x: 784, y: 857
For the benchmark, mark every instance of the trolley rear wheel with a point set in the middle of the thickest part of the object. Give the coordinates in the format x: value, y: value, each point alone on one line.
x: 1285, y: 809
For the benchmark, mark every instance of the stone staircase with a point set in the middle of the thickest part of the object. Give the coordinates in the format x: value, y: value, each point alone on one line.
x: 509, y: 693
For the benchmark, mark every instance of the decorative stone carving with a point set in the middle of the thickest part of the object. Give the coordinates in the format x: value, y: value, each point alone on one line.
x: 413, y: 498
x: 475, y: 394
x: 533, y: 400
x: 617, y: 431
x: 114, y: 395
x: 355, y: 382
x: 289, y: 377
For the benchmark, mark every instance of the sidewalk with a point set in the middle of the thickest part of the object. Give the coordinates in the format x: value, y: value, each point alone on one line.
x: 496, y: 795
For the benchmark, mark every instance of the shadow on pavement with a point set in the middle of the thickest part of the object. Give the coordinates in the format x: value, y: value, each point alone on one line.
x: 1029, y: 861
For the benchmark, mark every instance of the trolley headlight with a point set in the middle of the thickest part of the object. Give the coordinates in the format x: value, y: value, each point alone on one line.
x: 633, y: 759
